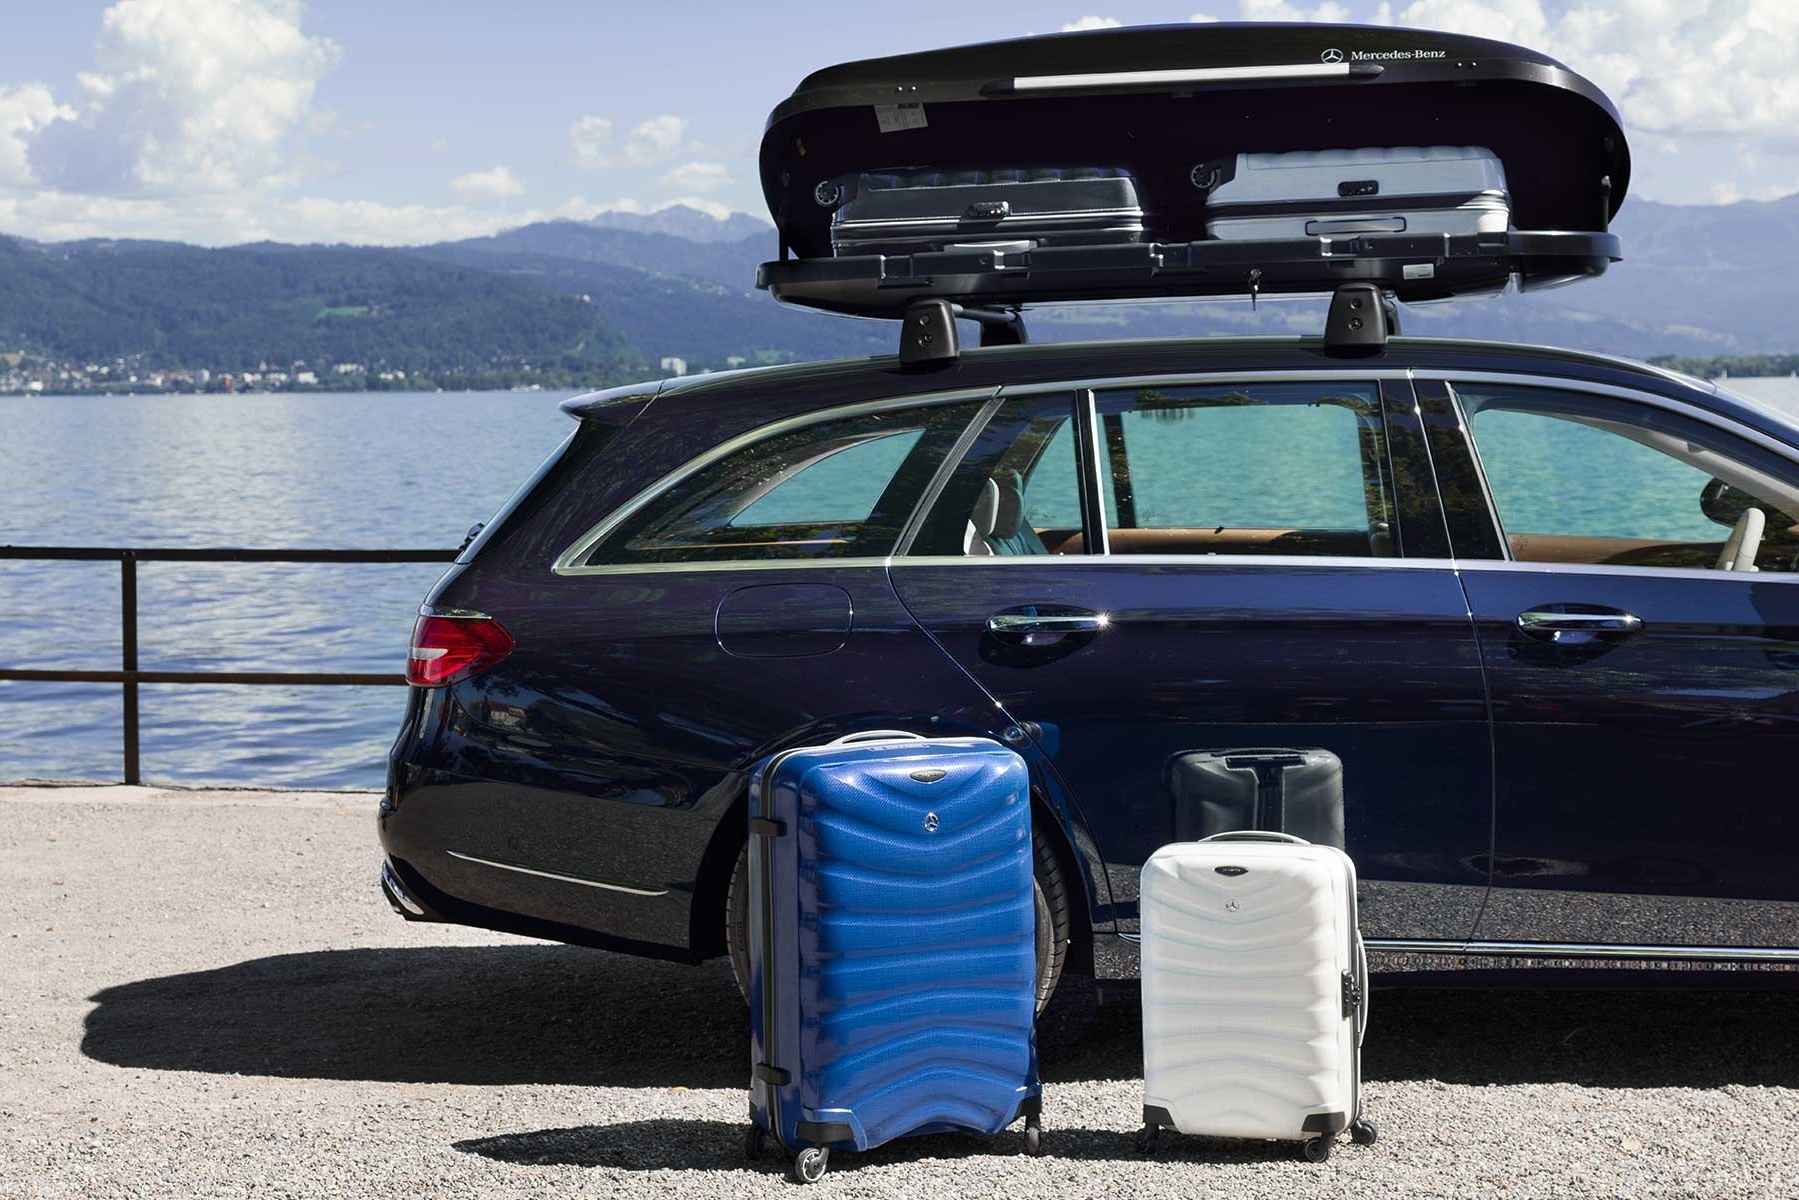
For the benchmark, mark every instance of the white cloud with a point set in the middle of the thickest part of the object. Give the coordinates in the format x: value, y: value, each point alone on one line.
x: 655, y: 140
x: 588, y: 138
x: 215, y: 220
x: 495, y: 181
x: 698, y: 177
x: 1699, y: 67
x: 24, y: 110
x: 590, y: 142
x: 191, y: 96
x: 1084, y: 23
x: 1279, y: 10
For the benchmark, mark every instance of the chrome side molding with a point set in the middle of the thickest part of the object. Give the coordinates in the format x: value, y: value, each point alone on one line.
x: 1722, y: 954
x: 558, y: 876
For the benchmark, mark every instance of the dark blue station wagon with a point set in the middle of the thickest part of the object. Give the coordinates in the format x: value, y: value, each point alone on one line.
x: 1542, y: 605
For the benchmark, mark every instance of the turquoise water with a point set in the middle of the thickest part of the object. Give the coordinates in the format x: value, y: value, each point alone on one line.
x: 417, y: 470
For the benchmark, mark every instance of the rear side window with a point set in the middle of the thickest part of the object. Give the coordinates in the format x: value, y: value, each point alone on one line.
x: 834, y: 489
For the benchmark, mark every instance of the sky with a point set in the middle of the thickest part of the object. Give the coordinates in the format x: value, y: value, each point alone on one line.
x: 407, y: 121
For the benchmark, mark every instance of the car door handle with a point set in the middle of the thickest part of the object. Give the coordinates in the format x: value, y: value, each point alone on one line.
x: 1551, y: 624
x: 1026, y: 623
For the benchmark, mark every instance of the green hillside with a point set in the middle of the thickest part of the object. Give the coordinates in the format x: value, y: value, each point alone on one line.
x: 171, y: 305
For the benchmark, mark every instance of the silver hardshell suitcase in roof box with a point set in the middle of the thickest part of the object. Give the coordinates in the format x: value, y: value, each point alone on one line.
x: 913, y: 211
x: 1254, y: 992
x: 1347, y: 193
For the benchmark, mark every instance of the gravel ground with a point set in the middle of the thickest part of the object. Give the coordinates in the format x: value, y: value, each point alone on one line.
x: 204, y: 995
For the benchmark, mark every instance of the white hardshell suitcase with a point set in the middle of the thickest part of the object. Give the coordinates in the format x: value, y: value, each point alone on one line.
x: 1254, y: 992
x: 1347, y: 193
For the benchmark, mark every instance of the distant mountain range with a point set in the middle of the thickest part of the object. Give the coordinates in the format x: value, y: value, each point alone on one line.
x: 617, y: 294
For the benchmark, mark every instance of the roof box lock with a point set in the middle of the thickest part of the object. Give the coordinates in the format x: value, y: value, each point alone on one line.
x: 989, y: 210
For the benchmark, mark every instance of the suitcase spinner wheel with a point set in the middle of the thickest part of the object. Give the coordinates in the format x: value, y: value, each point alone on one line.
x: 810, y: 1164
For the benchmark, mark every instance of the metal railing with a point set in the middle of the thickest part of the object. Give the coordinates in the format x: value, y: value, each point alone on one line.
x: 129, y: 676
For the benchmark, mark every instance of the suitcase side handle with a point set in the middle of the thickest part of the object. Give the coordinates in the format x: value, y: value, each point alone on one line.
x: 1255, y: 835
x: 877, y: 735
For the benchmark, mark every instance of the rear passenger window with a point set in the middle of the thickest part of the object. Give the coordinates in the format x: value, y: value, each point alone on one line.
x: 1253, y: 468
x: 835, y: 489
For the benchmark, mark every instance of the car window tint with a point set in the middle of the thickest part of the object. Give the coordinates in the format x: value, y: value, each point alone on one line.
x: 833, y: 489
x: 1252, y: 468
x: 1582, y: 478
x: 1016, y: 490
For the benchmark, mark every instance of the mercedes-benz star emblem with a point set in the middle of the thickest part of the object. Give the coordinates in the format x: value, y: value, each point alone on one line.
x: 1332, y: 56
x: 930, y: 822
x: 1230, y: 906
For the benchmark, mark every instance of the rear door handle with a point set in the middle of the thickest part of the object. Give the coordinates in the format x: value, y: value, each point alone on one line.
x: 1022, y: 623
x: 1045, y: 627
x: 1551, y: 624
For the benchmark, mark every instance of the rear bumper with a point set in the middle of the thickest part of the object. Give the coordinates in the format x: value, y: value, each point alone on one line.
x: 398, y: 898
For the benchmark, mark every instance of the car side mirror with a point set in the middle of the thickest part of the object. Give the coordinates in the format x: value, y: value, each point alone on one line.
x: 1724, y: 504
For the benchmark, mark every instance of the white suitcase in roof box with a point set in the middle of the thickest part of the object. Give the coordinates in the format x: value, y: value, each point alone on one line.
x: 1254, y: 992
x: 1347, y: 193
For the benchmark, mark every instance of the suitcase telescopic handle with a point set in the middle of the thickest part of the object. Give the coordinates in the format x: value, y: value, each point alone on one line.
x: 877, y: 735
x: 1254, y: 835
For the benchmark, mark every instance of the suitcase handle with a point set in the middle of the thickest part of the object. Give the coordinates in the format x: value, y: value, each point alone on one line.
x: 1255, y: 835
x: 877, y: 735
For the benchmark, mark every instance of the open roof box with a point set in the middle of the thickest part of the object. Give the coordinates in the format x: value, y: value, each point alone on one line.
x: 1157, y: 102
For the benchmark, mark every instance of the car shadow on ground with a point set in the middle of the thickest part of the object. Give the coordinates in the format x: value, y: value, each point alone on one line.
x: 707, y: 1145
x: 564, y: 1015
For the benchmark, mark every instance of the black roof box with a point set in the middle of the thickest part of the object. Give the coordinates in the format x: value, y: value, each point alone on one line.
x: 1156, y: 99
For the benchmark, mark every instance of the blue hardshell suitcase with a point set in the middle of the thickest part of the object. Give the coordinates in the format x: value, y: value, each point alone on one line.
x: 893, y: 971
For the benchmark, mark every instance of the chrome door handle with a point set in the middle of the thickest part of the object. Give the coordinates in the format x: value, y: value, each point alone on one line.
x: 1552, y: 623
x: 1054, y: 623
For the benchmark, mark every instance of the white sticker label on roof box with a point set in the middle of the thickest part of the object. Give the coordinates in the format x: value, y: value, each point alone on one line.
x: 894, y: 117
x: 1420, y: 270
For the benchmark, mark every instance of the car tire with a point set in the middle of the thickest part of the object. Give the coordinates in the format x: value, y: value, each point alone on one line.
x: 1049, y: 888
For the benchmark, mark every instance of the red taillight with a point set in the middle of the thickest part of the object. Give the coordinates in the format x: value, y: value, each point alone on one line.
x: 445, y: 649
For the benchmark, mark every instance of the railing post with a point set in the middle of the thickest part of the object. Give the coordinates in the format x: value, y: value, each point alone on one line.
x: 128, y: 644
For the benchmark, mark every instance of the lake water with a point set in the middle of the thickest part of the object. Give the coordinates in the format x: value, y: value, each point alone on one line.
x: 336, y: 471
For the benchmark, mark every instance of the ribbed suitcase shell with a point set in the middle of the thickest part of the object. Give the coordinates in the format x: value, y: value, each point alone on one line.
x: 892, y: 951
x: 1422, y: 190
x: 904, y: 212
x: 1246, y: 1028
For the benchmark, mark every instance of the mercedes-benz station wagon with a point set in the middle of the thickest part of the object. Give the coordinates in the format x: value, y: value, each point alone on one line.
x: 1542, y: 605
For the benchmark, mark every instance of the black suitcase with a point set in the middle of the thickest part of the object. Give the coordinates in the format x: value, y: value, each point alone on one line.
x: 1280, y: 791
x: 914, y: 211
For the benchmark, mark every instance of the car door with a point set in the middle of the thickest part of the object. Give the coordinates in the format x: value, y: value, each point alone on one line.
x: 1646, y: 717
x: 1140, y: 568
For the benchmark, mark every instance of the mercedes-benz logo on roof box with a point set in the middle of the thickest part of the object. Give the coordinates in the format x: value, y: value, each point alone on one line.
x: 1331, y: 56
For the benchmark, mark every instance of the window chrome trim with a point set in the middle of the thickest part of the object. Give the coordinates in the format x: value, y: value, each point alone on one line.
x: 558, y: 876
x: 567, y: 562
x: 1607, y: 569
x: 1336, y: 562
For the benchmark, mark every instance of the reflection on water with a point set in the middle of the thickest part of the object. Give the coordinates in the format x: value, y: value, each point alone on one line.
x: 368, y: 470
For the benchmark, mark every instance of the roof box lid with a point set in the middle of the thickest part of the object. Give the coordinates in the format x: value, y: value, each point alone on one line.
x: 1155, y: 100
